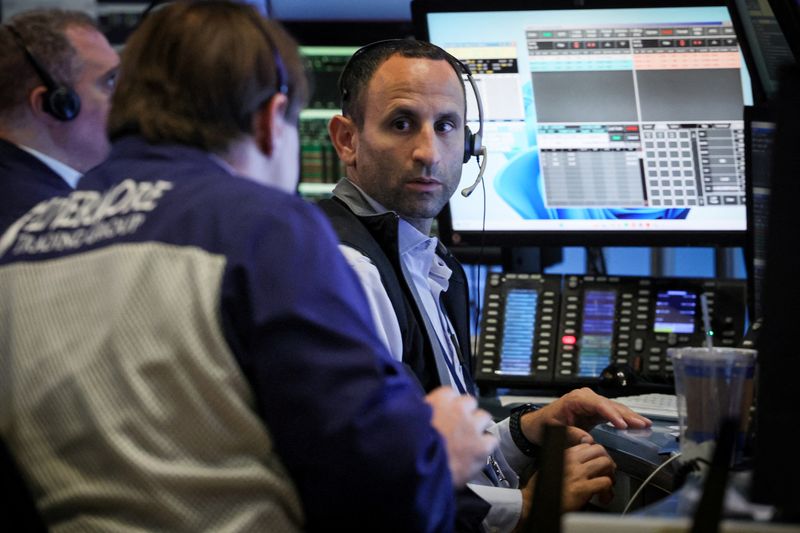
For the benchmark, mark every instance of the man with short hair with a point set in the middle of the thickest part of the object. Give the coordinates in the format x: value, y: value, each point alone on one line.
x: 402, y: 138
x: 57, y: 74
x: 184, y: 348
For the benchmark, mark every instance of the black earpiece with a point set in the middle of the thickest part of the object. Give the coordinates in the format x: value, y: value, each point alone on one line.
x: 473, y: 142
x: 60, y: 100
x: 469, y: 142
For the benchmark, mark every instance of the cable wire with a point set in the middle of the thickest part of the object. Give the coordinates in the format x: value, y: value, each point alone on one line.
x: 477, y: 324
x: 647, y: 480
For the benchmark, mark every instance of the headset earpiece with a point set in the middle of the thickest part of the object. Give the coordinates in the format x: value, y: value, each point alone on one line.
x: 472, y: 144
x: 62, y: 102
x: 468, y: 139
x: 472, y: 141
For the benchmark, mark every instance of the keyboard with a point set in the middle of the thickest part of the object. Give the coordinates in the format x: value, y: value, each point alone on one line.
x: 654, y: 405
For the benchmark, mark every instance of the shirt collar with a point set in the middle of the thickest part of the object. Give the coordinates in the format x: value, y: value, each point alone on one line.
x: 67, y: 173
x: 356, y: 199
x: 227, y: 167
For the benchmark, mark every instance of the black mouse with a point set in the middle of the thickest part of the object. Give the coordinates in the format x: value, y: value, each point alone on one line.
x: 617, y: 376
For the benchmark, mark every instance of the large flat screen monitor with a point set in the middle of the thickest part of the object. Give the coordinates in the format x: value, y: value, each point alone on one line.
x: 614, y: 123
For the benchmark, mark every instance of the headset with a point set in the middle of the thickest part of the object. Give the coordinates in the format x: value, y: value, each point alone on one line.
x: 473, y: 142
x: 61, y: 101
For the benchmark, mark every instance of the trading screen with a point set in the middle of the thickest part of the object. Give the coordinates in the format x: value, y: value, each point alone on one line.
x: 605, y: 120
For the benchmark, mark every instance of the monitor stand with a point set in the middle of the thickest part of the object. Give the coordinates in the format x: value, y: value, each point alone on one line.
x: 530, y: 259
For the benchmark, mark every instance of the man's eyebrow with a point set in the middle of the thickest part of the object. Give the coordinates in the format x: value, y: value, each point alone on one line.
x: 112, y: 70
x: 450, y: 115
x: 400, y: 108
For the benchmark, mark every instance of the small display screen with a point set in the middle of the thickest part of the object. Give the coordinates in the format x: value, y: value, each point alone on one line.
x: 597, y: 332
x: 519, y: 328
x: 675, y: 312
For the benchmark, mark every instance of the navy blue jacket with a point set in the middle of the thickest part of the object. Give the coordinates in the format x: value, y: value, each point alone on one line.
x: 24, y: 182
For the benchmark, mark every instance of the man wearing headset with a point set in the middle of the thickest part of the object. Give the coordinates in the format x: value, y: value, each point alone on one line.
x: 185, y: 348
x: 403, y: 139
x: 57, y: 74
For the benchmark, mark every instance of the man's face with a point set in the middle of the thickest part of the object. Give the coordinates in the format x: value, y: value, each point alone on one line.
x: 408, y: 154
x: 86, y: 139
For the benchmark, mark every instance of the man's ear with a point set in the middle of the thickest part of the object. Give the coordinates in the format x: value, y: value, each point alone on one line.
x: 344, y: 136
x: 36, y: 104
x: 269, y: 122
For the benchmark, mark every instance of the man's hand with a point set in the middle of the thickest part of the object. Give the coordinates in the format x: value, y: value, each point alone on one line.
x: 463, y: 427
x: 588, y: 471
x: 580, y: 410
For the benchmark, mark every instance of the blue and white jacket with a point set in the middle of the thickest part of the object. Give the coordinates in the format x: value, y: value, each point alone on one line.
x: 185, y: 350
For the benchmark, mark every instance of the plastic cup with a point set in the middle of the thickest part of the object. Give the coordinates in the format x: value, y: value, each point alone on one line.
x: 712, y: 384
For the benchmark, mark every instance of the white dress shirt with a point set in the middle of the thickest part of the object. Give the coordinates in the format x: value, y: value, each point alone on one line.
x: 67, y: 173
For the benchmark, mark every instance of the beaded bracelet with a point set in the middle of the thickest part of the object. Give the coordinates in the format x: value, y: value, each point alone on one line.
x: 525, y: 446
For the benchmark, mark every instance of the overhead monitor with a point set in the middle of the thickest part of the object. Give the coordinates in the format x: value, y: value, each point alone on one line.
x: 339, y: 10
x: 613, y: 123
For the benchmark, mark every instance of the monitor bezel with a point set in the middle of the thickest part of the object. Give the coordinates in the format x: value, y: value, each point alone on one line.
x: 756, y: 113
x: 787, y: 13
x: 725, y: 238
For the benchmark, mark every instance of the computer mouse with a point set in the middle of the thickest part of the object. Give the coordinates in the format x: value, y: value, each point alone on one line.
x: 617, y: 376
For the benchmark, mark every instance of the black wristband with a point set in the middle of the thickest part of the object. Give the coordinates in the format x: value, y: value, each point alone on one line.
x: 525, y: 446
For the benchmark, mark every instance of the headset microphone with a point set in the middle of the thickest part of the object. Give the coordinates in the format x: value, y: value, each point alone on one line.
x: 474, y: 141
x: 482, y: 155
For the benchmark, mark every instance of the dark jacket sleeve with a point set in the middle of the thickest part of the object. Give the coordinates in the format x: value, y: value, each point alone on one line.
x: 350, y: 426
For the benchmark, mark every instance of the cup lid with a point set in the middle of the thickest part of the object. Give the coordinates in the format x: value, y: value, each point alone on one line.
x: 716, y: 353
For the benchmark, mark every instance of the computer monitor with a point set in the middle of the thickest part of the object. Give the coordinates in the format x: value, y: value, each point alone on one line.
x: 776, y: 468
x: 613, y: 123
x: 320, y: 167
x: 333, y: 11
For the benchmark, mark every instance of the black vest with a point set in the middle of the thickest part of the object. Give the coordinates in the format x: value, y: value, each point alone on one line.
x: 376, y: 237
